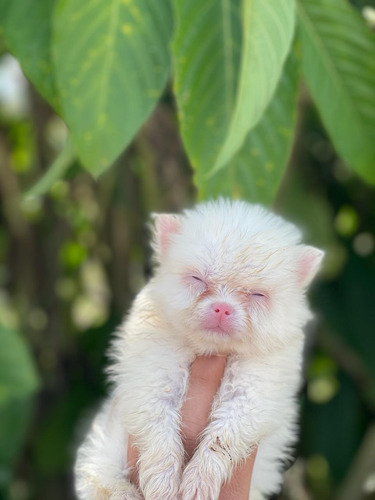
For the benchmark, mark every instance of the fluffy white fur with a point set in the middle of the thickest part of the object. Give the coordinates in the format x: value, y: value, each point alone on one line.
x: 228, y: 252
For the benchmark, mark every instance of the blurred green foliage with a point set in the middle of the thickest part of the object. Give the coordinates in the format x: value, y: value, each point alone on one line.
x: 74, y: 251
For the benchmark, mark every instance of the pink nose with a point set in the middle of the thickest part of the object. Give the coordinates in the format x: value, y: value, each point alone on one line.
x: 222, y: 309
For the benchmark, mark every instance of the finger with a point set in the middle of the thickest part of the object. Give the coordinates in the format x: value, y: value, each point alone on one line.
x: 239, y: 486
x: 205, y: 376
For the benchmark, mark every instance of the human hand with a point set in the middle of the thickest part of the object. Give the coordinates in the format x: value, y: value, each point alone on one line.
x: 205, y: 377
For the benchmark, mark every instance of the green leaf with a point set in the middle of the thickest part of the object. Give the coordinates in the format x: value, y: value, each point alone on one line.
x: 55, y: 172
x: 255, y: 172
x: 53, y: 451
x: 18, y: 377
x: 339, y: 66
x: 27, y: 31
x: 15, y: 416
x: 112, y: 63
x: 4, y: 6
x: 228, y: 57
x: 18, y: 382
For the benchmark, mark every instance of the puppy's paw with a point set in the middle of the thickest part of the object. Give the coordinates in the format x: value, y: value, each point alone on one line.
x: 161, y: 479
x: 200, y: 481
x: 123, y: 491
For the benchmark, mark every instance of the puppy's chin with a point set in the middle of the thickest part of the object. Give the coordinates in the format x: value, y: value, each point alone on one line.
x: 218, y: 331
x: 214, y: 341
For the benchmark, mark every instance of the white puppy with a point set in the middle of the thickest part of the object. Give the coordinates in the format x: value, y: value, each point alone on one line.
x: 231, y: 279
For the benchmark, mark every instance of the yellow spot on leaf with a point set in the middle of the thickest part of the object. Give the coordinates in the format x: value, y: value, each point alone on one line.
x: 260, y: 182
x: 127, y: 29
x: 236, y: 192
x: 254, y: 152
x: 194, y: 161
x: 44, y: 66
x: 152, y: 93
x: 269, y: 166
x: 286, y: 132
x: 135, y: 12
x: 185, y: 96
x: 102, y: 119
x: 126, y: 2
x: 109, y: 40
x: 73, y: 82
x: 87, y: 136
x: 210, y: 121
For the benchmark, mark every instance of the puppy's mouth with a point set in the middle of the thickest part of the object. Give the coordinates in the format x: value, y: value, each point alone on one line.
x: 219, y: 330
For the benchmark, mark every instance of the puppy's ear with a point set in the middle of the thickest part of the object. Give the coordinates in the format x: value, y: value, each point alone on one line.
x: 309, y: 260
x: 164, y: 227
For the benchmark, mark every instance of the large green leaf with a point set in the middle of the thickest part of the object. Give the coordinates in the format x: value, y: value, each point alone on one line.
x: 255, y: 172
x: 18, y: 382
x: 112, y: 63
x: 15, y: 416
x: 4, y: 5
x: 27, y: 30
x: 228, y: 58
x: 339, y: 65
x: 17, y: 372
